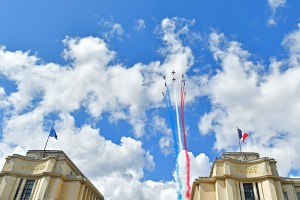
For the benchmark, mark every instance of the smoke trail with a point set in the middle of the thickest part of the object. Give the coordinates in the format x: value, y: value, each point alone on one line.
x: 177, y: 119
x: 178, y: 125
x: 177, y: 173
x: 169, y: 108
x: 188, y: 192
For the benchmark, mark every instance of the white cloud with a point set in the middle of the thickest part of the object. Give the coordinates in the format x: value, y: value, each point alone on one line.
x: 108, y: 165
x: 90, y: 81
x: 159, y: 126
x: 134, y: 189
x: 292, y: 43
x: 274, y: 5
x: 147, y: 190
x: 140, y: 24
x: 166, y: 145
x: 3, y: 102
x: 199, y: 167
x: 264, y: 104
x: 111, y: 29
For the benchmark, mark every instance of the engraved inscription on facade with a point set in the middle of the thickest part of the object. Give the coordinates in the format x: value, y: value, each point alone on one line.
x: 246, y: 169
x: 31, y: 166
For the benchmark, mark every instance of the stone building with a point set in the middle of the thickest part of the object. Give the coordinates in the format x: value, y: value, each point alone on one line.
x: 47, y: 175
x: 245, y: 176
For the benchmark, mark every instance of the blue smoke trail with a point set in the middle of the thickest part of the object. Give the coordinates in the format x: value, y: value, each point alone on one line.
x: 170, y: 111
x: 177, y: 172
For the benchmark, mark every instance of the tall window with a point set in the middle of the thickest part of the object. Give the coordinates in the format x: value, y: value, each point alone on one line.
x: 27, y: 190
x: 248, y: 191
x: 17, y: 192
x: 257, y: 190
x: 285, y: 196
x: 298, y: 195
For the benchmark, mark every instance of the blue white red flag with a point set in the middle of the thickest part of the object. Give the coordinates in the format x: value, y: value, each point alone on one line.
x: 242, y: 136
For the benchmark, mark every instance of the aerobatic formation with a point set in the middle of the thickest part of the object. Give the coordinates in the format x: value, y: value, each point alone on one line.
x: 178, y: 147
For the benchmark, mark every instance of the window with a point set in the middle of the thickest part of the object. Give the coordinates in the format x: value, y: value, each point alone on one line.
x: 17, y: 192
x: 257, y: 190
x: 298, y: 195
x: 285, y: 196
x: 248, y: 191
x: 27, y: 190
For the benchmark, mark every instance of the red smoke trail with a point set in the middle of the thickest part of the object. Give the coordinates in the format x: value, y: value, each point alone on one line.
x: 188, y: 192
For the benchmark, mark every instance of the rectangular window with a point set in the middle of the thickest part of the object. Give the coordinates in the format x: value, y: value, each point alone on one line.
x: 27, y: 190
x: 298, y: 195
x: 17, y: 192
x: 285, y: 196
x: 257, y: 190
x: 248, y: 191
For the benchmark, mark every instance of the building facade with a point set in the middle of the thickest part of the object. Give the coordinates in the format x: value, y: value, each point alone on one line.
x: 245, y: 176
x: 47, y: 175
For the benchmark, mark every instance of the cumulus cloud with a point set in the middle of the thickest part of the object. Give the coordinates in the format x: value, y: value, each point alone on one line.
x: 264, y: 104
x: 111, y: 29
x: 199, y: 166
x: 99, y: 86
x: 91, y: 82
x: 159, y: 126
x: 274, y: 5
x: 140, y: 24
x: 114, y: 184
x: 292, y: 43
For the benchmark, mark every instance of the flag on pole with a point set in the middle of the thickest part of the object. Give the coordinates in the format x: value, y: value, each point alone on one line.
x: 52, y: 133
x: 241, y: 135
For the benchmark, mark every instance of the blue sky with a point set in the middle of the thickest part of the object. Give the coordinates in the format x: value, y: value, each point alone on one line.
x: 96, y: 70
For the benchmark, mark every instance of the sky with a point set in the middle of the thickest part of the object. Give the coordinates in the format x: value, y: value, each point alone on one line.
x: 94, y: 69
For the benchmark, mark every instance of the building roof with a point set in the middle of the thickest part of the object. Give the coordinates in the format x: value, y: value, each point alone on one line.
x: 41, y: 155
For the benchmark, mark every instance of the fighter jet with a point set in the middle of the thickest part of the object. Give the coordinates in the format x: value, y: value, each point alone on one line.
x: 173, y: 72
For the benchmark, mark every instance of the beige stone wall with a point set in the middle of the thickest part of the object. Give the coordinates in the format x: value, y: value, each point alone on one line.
x: 231, y: 189
x: 55, y: 179
x: 55, y: 189
x: 197, y: 194
x: 207, y: 191
x: 278, y: 188
x: 289, y: 189
x: 220, y: 189
x: 230, y: 172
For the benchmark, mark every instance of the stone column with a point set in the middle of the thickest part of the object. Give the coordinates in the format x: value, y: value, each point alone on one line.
x: 231, y: 189
x: 55, y: 189
x: 279, y: 190
x: 269, y: 190
x: 221, y: 190
x: 6, y: 186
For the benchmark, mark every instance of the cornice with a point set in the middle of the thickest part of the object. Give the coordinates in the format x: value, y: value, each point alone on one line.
x: 82, y: 180
x: 237, y: 178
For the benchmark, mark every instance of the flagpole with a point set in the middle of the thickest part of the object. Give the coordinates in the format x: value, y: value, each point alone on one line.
x: 240, y: 145
x: 239, y: 141
x: 46, y: 145
x: 47, y: 141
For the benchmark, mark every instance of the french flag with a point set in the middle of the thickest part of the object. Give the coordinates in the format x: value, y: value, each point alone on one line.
x: 241, y: 135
